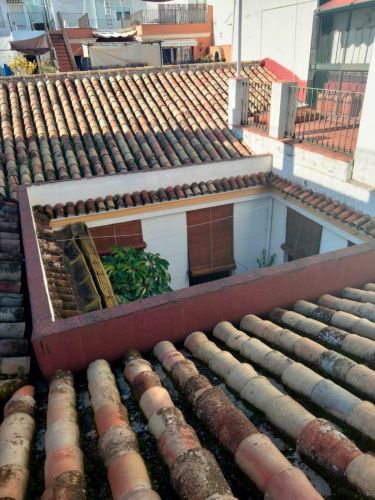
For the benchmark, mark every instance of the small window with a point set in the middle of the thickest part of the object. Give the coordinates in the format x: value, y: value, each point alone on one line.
x: 124, y: 14
x: 351, y: 244
x: 303, y: 236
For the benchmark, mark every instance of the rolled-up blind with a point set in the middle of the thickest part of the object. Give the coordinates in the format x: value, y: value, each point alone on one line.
x: 303, y: 236
x: 125, y: 234
x: 210, y: 240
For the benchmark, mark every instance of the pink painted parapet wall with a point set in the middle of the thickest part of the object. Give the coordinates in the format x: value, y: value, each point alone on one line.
x: 73, y: 343
x: 282, y: 73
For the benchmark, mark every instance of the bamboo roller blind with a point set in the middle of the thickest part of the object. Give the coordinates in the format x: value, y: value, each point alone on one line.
x: 125, y: 234
x: 210, y: 240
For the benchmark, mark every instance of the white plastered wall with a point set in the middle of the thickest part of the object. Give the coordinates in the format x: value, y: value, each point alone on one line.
x: 278, y: 29
x: 259, y: 222
x: 167, y: 235
x: 251, y: 227
x: 278, y: 230
x: 94, y: 187
x: 318, y: 171
x: 331, y: 241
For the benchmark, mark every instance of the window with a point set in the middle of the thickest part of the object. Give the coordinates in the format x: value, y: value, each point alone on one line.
x: 124, y: 14
x: 302, y: 236
x: 125, y: 234
x: 210, y: 243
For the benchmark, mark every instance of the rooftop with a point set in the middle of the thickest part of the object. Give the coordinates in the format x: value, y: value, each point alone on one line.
x: 83, y: 125
x: 14, y: 346
x: 296, y: 385
x: 318, y: 202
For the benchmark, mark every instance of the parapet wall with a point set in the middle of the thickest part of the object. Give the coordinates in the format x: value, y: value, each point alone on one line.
x: 72, y: 343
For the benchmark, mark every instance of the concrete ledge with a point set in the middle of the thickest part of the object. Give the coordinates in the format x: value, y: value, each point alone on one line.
x: 326, y: 162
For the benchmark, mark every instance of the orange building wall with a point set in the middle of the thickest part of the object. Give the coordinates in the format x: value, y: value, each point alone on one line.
x: 225, y: 52
x: 184, y: 31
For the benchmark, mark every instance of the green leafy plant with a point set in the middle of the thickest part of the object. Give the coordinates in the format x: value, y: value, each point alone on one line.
x: 136, y: 274
x: 266, y: 260
x: 20, y: 66
x: 47, y: 67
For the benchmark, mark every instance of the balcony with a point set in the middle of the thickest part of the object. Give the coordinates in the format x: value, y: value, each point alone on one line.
x: 77, y: 20
x: 175, y: 14
x: 327, y: 118
x: 25, y: 21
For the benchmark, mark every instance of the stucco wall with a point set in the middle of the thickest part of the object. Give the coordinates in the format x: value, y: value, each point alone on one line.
x: 327, y: 173
x: 278, y: 230
x: 251, y: 226
x: 364, y: 156
x: 259, y: 222
x: 223, y: 21
x: 278, y: 29
x: 167, y: 235
x: 77, y: 189
x: 331, y: 241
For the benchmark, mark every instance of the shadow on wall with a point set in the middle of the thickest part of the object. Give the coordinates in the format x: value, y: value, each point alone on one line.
x: 313, y: 168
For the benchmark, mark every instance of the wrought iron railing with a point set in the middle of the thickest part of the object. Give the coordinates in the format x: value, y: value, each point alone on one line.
x: 259, y: 105
x: 325, y: 117
x: 76, y: 19
x: 2, y: 21
x: 179, y: 14
x: 29, y: 21
x: 71, y: 19
x: 176, y: 14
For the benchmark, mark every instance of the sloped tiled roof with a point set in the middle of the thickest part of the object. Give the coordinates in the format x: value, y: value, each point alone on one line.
x: 325, y: 206
x: 14, y: 359
x: 83, y: 125
x: 141, y: 198
x: 232, y: 403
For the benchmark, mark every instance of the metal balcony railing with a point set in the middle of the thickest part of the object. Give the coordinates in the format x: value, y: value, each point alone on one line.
x: 18, y: 21
x: 76, y: 20
x: 176, y: 14
x: 325, y: 117
x: 259, y: 105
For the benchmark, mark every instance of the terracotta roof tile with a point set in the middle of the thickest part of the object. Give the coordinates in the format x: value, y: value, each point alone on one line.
x: 324, y: 203
x: 369, y: 225
x: 353, y: 217
x: 297, y: 398
x: 14, y: 359
x: 339, y: 211
x: 341, y: 208
x: 343, y: 214
x: 305, y: 195
x: 80, y: 126
x: 328, y: 209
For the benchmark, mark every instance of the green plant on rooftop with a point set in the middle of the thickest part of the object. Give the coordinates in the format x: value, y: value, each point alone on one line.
x: 265, y: 259
x: 21, y: 66
x: 47, y: 67
x: 136, y: 274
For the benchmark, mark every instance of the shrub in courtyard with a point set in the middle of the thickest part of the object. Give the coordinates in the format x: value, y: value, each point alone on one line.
x: 136, y: 274
x: 21, y: 66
